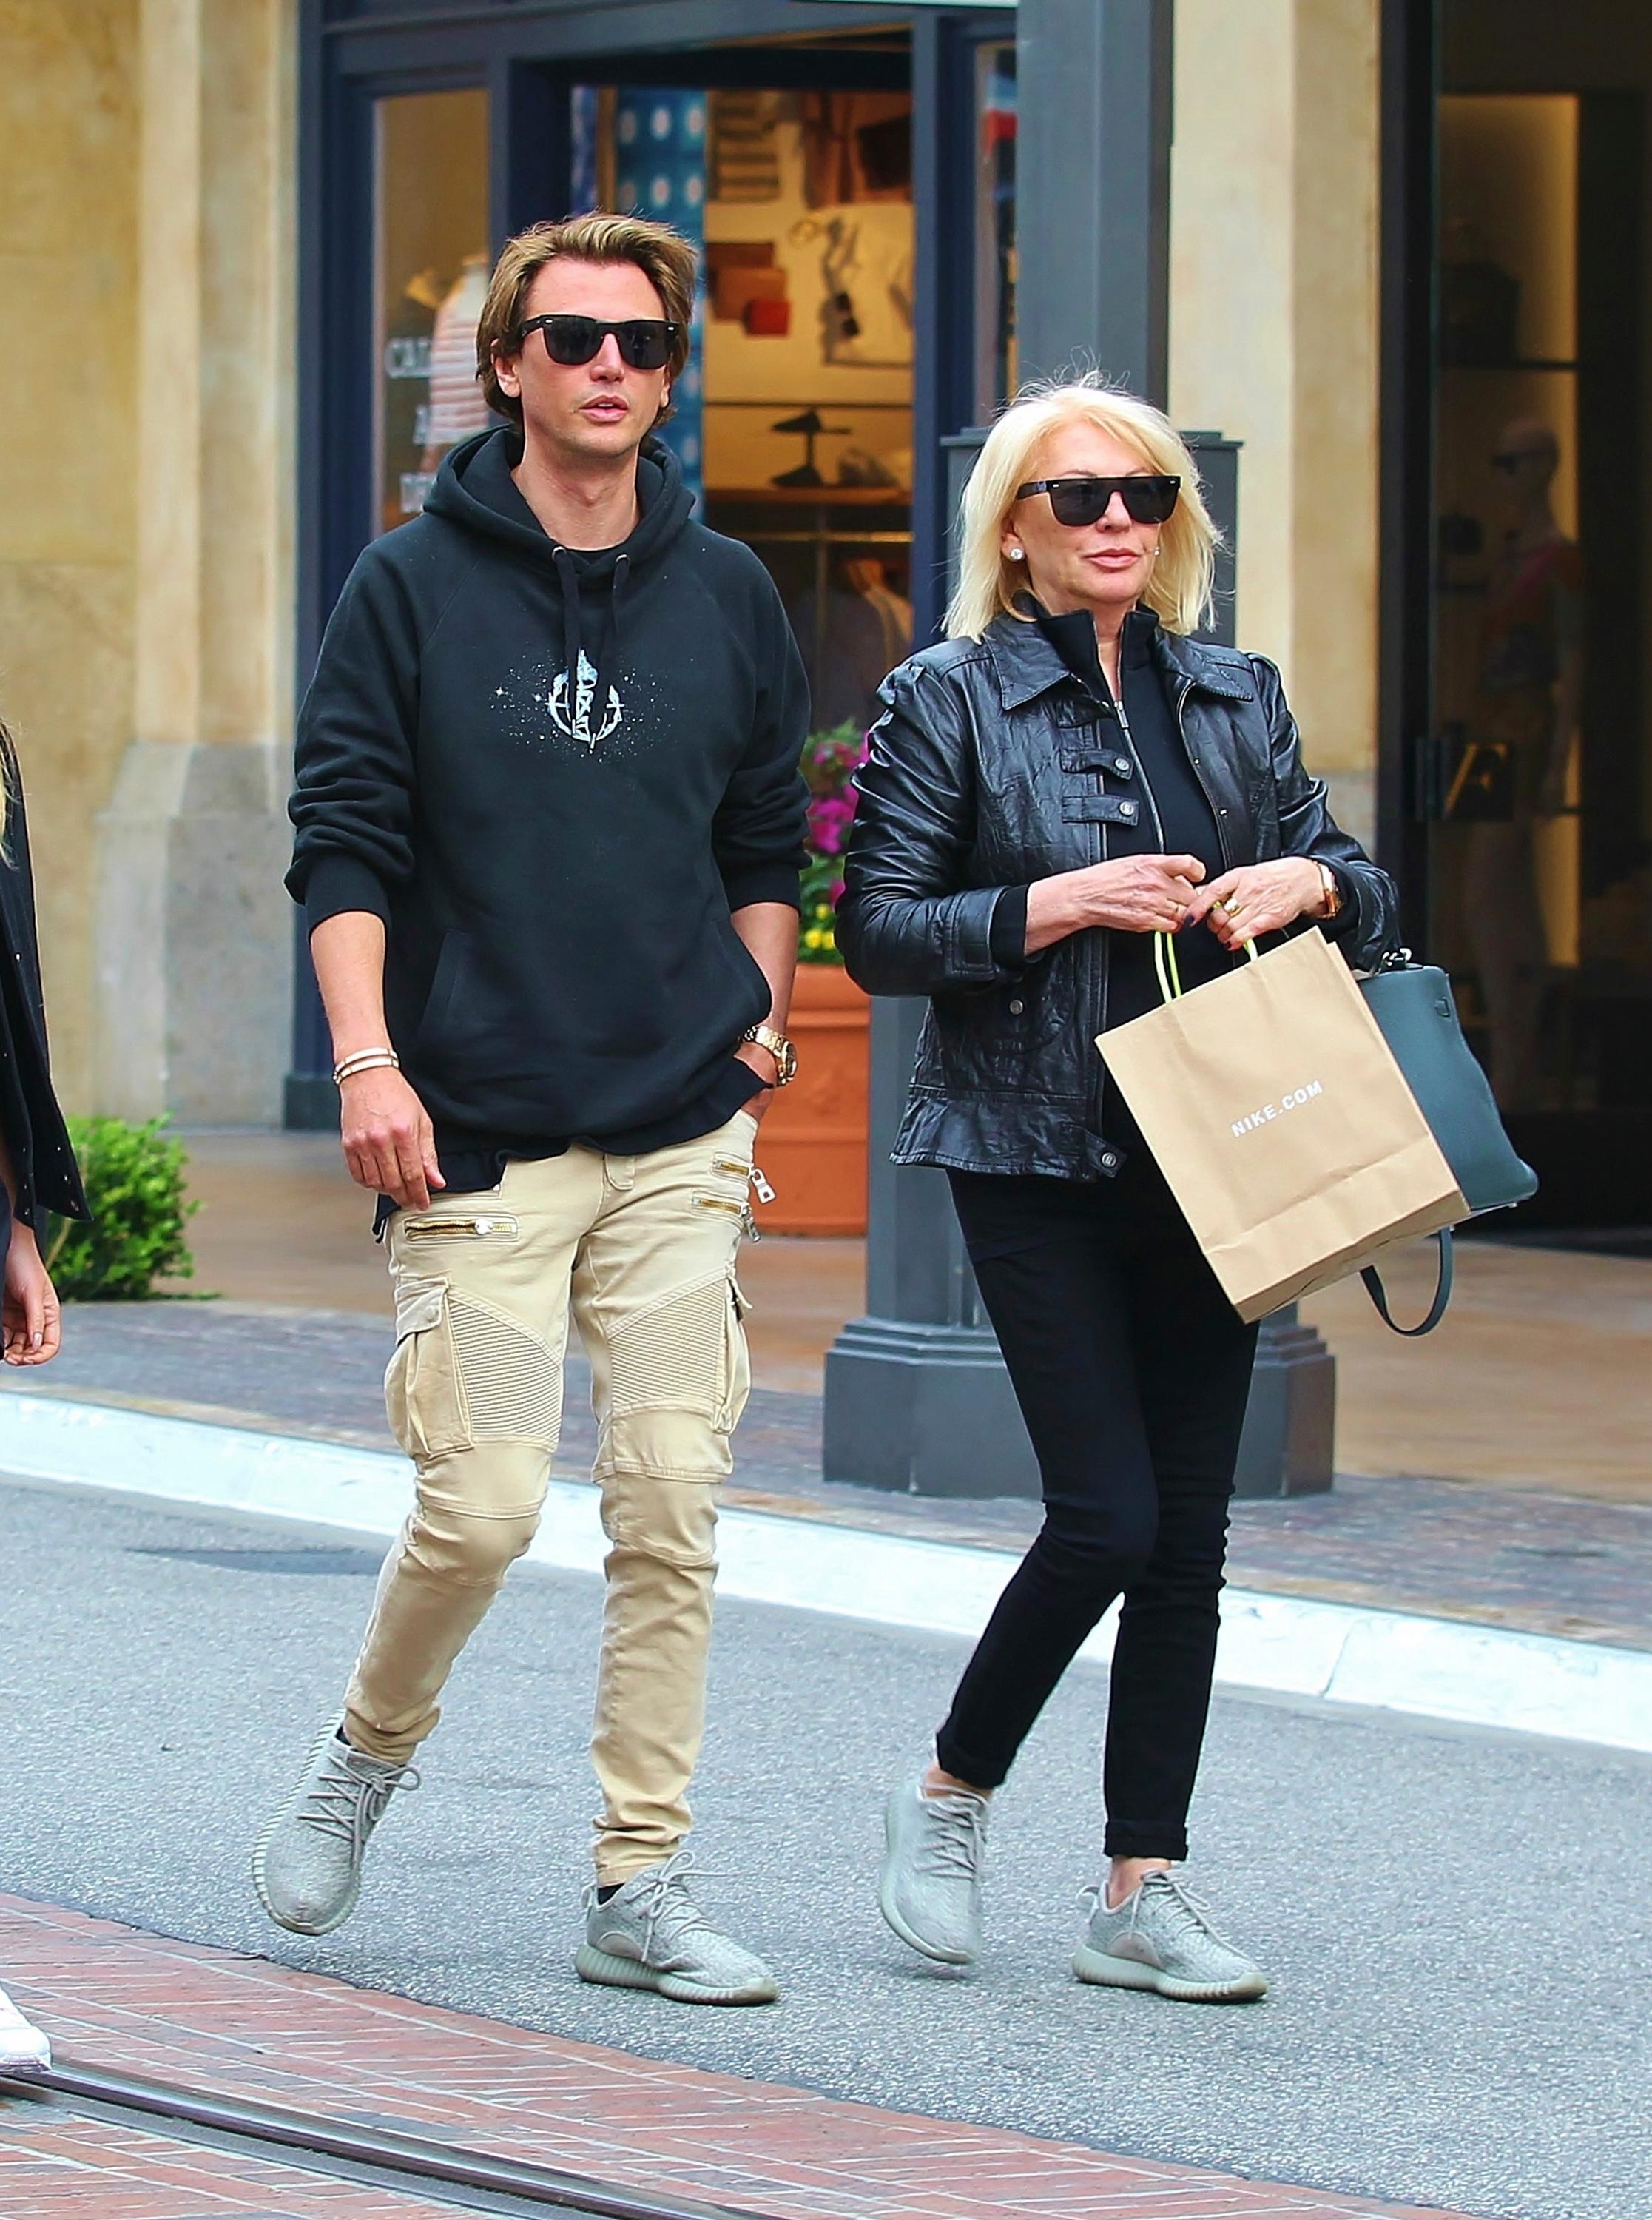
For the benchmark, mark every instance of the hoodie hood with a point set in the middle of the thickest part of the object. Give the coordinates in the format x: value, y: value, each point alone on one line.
x: 474, y: 490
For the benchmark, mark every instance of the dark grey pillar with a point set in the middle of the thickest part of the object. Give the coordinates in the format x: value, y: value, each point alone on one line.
x: 1093, y: 188
x: 917, y: 1398
x: 1291, y: 1423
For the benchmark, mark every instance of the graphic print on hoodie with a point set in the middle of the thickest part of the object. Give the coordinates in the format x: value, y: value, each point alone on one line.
x: 554, y: 774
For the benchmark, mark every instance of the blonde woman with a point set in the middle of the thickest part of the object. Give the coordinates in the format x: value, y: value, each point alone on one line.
x: 1070, y: 772
x: 37, y: 1174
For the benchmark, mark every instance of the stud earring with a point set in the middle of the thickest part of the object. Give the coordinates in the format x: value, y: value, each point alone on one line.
x: 1018, y: 555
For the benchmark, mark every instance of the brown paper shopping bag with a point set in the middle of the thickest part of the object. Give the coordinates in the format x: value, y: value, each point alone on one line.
x: 1287, y: 1134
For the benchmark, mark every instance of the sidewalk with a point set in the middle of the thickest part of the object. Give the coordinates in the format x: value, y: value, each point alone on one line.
x: 1545, y: 1564
x: 181, y: 2013
x: 1539, y: 1380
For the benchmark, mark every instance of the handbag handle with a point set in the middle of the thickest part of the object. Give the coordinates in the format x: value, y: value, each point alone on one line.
x: 1436, y: 1309
x: 1164, y: 963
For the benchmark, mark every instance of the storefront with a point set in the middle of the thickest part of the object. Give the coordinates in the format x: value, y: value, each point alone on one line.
x: 849, y: 173
x: 1517, y: 748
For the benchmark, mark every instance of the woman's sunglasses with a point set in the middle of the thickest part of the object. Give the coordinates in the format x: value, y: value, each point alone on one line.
x: 1086, y: 501
x: 646, y: 342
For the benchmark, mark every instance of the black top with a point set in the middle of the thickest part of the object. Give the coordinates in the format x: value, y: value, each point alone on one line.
x: 1175, y: 818
x: 36, y: 1138
x: 554, y: 774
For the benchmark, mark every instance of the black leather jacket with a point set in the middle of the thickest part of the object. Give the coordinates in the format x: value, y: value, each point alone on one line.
x: 983, y: 774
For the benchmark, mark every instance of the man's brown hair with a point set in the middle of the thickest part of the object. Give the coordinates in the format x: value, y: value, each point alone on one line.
x: 662, y: 255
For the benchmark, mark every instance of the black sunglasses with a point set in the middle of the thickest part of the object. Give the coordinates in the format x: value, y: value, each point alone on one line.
x: 646, y: 342
x: 1086, y: 501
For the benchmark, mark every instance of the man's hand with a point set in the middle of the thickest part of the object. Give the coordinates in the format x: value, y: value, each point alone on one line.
x: 1259, y: 898
x: 388, y: 1143
x: 766, y: 1065
x: 31, y: 1322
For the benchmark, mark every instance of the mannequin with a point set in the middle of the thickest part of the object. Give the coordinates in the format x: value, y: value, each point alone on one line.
x: 405, y: 370
x: 456, y: 407
x: 1529, y: 698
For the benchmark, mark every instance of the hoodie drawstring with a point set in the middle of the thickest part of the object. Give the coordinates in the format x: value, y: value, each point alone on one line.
x: 607, y: 652
x: 568, y: 577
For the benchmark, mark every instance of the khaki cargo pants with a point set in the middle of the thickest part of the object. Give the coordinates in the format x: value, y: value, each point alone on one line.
x: 643, y: 1249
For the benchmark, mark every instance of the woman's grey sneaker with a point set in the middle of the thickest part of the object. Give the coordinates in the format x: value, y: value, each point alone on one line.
x: 929, y: 1888
x: 652, y: 1935
x: 1161, y: 1939
x: 307, y: 1866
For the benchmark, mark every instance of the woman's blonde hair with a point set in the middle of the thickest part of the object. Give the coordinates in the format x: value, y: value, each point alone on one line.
x: 1179, y: 591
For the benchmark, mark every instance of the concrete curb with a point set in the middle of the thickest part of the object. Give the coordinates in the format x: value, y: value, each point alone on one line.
x: 1339, y: 1653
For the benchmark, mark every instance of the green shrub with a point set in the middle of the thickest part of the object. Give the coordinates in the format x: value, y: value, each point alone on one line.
x: 134, y: 1183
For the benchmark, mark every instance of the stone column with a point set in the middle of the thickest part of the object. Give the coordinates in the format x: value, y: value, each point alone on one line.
x: 193, y: 935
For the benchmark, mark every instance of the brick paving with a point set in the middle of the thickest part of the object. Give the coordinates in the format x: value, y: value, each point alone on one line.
x: 1548, y: 1564
x: 180, y: 2012
x: 56, y: 2166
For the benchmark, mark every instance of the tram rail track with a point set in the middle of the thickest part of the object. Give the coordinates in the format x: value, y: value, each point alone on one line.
x: 321, y: 2143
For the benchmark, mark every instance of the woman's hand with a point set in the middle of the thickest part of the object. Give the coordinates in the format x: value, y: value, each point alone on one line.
x: 31, y: 1321
x: 1259, y: 898
x: 1138, y: 894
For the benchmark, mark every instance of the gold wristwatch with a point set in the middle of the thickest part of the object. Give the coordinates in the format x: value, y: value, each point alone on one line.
x: 779, y: 1047
x: 1333, y: 893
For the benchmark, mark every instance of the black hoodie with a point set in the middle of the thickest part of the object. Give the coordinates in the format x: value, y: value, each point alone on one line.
x: 557, y: 878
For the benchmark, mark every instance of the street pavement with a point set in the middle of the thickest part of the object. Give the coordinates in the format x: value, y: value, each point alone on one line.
x: 1456, y: 1923
x: 1546, y: 1563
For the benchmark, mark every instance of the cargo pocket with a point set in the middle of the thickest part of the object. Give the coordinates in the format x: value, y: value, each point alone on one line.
x: 736, y: 1383
x: 424, y: 1398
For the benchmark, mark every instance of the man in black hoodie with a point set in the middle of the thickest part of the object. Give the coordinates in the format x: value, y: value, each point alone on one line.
x: 550, y: 823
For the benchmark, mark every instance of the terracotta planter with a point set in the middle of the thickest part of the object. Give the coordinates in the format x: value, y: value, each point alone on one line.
x: 812, y: 1145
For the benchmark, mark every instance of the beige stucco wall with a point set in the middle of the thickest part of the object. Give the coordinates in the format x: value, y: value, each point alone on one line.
x: 68, y: 437
x: 1273, y: 338
x: 146, y: 255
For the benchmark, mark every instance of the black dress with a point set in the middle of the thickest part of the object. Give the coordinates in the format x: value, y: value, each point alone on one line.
x: 37, y: 1140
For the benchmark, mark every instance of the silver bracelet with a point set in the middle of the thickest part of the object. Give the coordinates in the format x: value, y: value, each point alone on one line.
x: 365, y: 1059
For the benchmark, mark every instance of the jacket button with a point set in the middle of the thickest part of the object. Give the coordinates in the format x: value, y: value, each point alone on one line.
x: 1108, y: 1160
x: 1017, y: 1006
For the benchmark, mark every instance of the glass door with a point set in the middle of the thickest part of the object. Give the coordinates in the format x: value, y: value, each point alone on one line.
x: 1535, y: 785
x: 430, y: 277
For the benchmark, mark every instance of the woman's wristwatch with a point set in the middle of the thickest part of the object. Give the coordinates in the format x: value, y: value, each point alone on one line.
x: 1333, y: 893
x: 779, y: 1047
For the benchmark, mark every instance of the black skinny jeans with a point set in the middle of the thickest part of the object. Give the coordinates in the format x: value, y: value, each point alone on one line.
x: 1132, y: 1372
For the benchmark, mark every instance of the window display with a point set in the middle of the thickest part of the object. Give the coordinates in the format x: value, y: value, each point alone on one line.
x: 995, y: 363
x: 1535, y: 778
x: 431, y: 276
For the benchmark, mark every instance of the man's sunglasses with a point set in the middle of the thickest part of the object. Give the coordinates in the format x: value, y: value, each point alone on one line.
x: 646, y: 342
x: 1086, y: 501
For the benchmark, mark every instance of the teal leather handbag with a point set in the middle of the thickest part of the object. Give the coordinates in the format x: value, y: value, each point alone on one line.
x: 1416, y: 1014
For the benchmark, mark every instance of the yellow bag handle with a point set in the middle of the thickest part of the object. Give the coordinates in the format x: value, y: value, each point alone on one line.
x: 1164, y: 963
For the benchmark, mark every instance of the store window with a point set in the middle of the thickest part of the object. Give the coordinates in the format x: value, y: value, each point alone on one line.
x: 1538, y: 776
x: 994, y: 228
x: 793, y: 423
x: 431, y: 265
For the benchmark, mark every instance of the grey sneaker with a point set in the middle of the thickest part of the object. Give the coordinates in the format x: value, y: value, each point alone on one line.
x: 306, y: 1865
x: 23, y: 2048
x: 929, y: 1885
x: 1161, y: 1939
x: 653, y: 1935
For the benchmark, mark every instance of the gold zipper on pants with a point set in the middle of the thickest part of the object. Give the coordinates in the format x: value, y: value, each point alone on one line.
x: 480, y: 1228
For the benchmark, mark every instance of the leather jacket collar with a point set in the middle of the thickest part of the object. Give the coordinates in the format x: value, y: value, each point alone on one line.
x: 1027, y: 662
